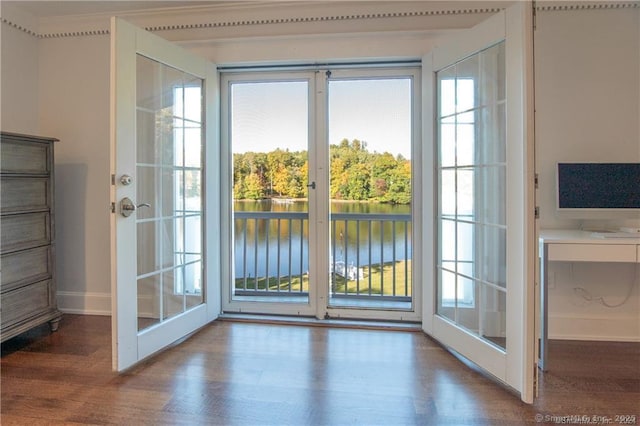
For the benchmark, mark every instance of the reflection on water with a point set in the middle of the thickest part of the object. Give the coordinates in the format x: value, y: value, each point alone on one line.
x: 336, y: 207
x: 272, y: 247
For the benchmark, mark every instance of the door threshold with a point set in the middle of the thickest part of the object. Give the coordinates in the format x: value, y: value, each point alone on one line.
x: 312, y: 321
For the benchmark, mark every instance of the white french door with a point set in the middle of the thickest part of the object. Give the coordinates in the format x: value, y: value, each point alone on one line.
x: 320, y: 192
x: 268, y: 155
x: 164, y: 254
x: 373, y: 133
x: 480, y: 300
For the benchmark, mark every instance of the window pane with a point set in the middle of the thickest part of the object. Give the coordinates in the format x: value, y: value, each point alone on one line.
x: 467, y: 74
x: 446, y: 294
x: 467, y: 313
x: 465, y: 139
x: 492, y: 89
x: 147, y: 191
x: 447, y: 147
x: 269, y: 141
x: 193, y: 147
x: 448, y: 193
x: 494, y: 201
x: 146, y: 241
x: 148, y: 295
x: 448, y: 244
x: 491, y: 134
x: 465, y: 247
x: 447, y: 91
x: 466, y: 194
x: 493, y: 304
x: 494, y: 262
x: 173, y: 297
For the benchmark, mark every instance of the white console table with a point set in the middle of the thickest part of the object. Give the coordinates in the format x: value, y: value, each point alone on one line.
x: 556, y: 245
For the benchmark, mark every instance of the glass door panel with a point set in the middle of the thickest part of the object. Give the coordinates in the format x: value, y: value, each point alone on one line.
x: 370, y: 135
x: 169, y: 192
x: 269, y: 143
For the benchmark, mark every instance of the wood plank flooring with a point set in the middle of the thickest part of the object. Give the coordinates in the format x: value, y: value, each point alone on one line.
x: 233, y: 373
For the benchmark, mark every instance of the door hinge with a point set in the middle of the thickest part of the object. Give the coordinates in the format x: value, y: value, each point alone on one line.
x: 113, y: 207
x: 113, y: 180
x: 537, y: 212
x: 536, y: 181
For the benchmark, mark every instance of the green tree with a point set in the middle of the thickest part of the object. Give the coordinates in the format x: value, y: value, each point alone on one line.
x: 254, y: 187
x: 304, y: 179
x: 281, y: 179
x: 239, y: 189
x: 383, y: 166
x: 400, y: 186
x: 358, y: 182
x: 355, y: 174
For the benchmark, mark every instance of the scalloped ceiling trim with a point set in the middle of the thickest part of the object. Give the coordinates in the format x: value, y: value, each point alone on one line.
x: 593, y: 6
x: 333, y: 18
x: 75, y: 34
x: 321, y: 19
x: 20, y: 27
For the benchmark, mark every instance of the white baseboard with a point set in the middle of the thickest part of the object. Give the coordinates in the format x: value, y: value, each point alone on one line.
x: 73, y: 302
x: 574, y: 327
x: 561, y: 327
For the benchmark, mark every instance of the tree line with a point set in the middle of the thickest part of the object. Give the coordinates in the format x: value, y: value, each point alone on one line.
x: 355, y: 173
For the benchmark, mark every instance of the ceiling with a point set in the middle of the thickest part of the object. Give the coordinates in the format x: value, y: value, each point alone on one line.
x: 52, y: 8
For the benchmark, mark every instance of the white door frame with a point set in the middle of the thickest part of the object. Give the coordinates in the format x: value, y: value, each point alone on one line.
x: 318, y: 302
x: 229, y: 304
x: 360, y: 73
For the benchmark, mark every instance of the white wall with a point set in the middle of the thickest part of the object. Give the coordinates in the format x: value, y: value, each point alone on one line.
x: 586, y: 69
x: 19, y: 74
x: 587, y: 104
x: 74, y: 106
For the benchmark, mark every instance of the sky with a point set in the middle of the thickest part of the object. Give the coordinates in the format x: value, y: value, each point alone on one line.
x: 266, y: 116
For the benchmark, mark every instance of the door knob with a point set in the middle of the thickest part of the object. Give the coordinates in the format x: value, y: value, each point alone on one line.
x: 127, y: 206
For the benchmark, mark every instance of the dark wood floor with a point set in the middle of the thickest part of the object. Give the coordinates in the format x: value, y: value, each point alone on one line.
x: 260, y: 374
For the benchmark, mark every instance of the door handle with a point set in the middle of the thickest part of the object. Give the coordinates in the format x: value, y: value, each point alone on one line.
x: 127, y: 206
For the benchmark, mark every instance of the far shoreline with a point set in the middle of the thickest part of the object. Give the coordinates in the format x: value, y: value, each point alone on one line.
x: 332, y: 200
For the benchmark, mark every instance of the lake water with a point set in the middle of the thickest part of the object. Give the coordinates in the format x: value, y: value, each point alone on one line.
x: 280, y: 247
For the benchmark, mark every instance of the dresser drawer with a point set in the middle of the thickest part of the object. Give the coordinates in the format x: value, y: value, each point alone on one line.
x: 26, y: 302
x: 24, y: 157
x: 24, y: 194
x: 24, y: 231
x: 25, y: 266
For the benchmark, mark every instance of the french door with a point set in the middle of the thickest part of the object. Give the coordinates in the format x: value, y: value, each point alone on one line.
x: 164, y: 252
x: 320, y: 192
x: 480, y: 300
x: 267, y: 126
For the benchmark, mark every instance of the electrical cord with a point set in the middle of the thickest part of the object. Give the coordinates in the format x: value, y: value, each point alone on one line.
x: 584, y: 293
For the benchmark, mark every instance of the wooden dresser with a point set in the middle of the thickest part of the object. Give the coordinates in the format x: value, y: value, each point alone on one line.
x: 27, y: 280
